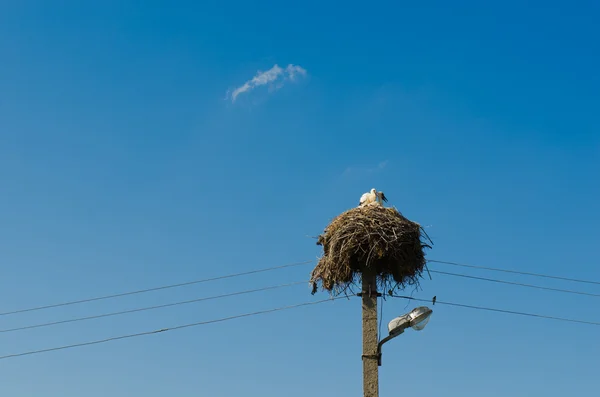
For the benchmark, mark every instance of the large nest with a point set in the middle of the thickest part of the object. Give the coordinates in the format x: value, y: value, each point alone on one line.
x: 372, y: 238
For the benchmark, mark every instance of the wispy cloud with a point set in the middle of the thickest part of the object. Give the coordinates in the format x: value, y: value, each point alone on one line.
x: 274, y: 77
x: 365, y: 170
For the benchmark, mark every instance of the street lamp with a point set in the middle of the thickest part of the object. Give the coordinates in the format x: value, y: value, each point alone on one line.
x: 417, y: 319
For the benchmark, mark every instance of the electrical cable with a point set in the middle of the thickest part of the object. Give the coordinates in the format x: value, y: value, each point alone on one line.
x: 74, y: 302
x: 149, y: 308
x: 95, y: 342
x: 380, y: 320
x: 516, y: 272
x: 152, y: 289
x: 517, y: 284
x: 281, y: 309
x: 438, y: 302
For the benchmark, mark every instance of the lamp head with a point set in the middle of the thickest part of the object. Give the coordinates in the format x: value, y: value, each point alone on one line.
x: 417, y: 319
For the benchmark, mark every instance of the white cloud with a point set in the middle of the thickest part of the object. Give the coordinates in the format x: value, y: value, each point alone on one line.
x: 274, y: 77
x: 363, y: 171
x: 292, y: 70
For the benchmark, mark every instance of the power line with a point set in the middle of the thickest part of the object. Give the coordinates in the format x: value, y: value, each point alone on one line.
x: 149, y: 308
x: 500, y: 310
x: 74, y: 302
x: 514, y: 283
x: 380, y: 319
x: 167, y: 329
x: 153, y: 289
x: 517, y: 272
x: 281, y: 309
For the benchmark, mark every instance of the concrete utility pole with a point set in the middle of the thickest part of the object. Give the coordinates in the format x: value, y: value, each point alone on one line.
x: 369, y: 328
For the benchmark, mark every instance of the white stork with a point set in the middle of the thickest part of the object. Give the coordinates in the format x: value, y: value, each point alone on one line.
x: 368, y: 197
x: 381, y: 198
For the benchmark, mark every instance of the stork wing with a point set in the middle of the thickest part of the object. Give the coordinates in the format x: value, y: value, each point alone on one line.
x: 383, y: 197
x: 363, y: 198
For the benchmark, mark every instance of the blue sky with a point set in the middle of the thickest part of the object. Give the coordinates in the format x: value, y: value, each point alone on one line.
x: 125, y: 164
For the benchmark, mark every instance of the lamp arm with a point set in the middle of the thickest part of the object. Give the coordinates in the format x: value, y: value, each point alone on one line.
x: 384, y: 340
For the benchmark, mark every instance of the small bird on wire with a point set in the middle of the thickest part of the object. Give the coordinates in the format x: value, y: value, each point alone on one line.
x: 433, y: 300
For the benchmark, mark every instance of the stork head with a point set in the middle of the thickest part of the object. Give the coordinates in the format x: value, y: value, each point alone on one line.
x: 373, y: 190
